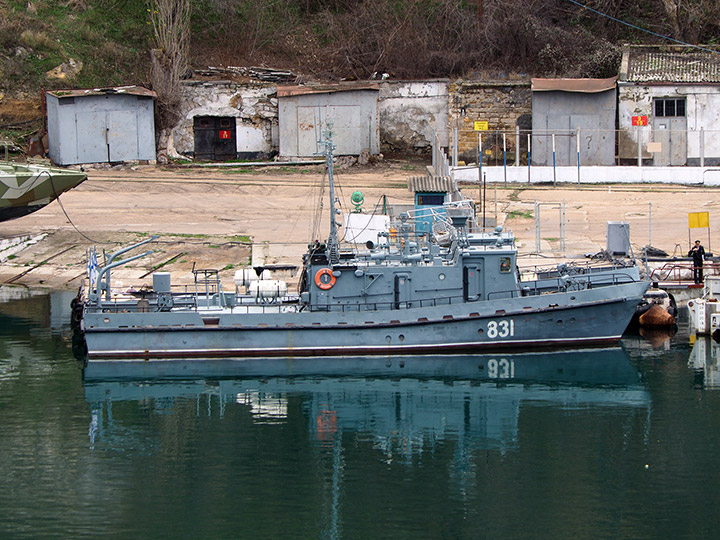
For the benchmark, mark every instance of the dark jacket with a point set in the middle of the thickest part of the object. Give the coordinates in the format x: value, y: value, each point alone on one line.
x: 698, y: 254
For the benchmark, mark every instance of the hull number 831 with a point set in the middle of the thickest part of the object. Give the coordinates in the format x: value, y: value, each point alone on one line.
x: 501, y: 329
x: 501, y: 369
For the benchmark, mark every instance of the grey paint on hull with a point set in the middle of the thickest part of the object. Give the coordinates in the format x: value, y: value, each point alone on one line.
x: 585, y: 317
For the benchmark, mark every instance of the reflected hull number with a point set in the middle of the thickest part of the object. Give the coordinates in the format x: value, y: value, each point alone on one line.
x: 501, y: 369
x: 501, y: 329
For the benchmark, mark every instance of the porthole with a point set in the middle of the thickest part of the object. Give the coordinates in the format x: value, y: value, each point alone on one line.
x: 481, y: 331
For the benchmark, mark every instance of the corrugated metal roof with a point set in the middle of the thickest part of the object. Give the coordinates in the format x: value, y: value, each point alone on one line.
x: 288, y: 91
x: 685, y: 66
x: 588, y: 86
x: 131, y: 90
x: 432, y: 184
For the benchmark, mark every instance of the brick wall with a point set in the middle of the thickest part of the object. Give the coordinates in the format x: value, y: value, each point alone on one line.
x: 502, y: 104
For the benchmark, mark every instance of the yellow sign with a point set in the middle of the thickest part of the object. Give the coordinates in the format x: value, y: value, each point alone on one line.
x: 480, y: 125
x: 697, y: 220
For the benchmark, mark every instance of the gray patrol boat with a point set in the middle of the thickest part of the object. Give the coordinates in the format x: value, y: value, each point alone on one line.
x: 409, y: 293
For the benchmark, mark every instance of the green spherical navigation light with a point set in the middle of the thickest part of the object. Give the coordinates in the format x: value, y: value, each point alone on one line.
x: 357, y: 199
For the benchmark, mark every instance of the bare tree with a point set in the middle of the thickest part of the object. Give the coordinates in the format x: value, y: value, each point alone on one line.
x: 170, y: 57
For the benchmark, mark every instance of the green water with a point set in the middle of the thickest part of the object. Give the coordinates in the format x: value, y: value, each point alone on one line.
x: 611, y: 444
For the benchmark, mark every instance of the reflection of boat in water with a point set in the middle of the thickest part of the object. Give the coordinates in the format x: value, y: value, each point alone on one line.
x: 705, y: 360
x: 593, y: 366
x: 412, y: 399
x: 27, y: 187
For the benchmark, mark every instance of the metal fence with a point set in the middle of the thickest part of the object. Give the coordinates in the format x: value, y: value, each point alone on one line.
x: 640, y: 146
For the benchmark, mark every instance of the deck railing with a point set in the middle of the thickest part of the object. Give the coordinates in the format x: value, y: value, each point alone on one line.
x: 191, y: 301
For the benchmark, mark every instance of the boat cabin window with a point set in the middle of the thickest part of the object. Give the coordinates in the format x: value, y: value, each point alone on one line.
x: 430, y: 200
x: 505, y: 264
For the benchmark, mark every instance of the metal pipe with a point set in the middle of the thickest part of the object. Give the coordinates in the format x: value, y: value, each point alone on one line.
x: 479, y: 161
x: 537, y: 226
x: 577, y: 144
x: 562, y: 226
x: 109, y: 263
x: 106, y: 269
x: 113, y: 256
x: 435, y: 145
x: 455, y: 147
x: 505, y: 158
x: 554, y: 162
x: 529, y: 154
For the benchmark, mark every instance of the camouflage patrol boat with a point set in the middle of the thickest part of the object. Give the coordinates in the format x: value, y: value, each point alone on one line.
x: 27, y: 187
x: 409, y: 293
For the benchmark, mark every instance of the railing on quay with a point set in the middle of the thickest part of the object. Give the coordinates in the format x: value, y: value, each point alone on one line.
x: 681, y: 273
x: 639, y: 145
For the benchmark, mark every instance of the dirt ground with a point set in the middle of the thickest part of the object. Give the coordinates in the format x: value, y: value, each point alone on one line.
x: 225, y: 219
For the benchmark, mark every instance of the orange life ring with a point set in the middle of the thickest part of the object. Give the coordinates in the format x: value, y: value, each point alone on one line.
x: 324, y: 285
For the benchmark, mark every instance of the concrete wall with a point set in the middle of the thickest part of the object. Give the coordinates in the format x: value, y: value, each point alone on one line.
x: 253, y: 105
x: 404, y: 114
x: 702, y: 113
x: 351, y: 114
x: 702, y: 176
x: 502, y: 104
x: 410, y: 112
x: 563, y: 113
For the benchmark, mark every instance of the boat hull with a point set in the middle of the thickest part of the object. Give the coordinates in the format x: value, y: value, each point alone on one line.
x: 24, y: 189
x: 588, y: 317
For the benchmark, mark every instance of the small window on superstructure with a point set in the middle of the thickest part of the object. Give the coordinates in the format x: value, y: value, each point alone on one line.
x: 505, y: 264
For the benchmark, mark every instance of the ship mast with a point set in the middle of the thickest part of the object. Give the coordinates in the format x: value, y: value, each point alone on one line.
x: 333, y: 245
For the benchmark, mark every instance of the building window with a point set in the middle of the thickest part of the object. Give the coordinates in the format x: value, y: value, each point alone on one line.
x: 669, y: 107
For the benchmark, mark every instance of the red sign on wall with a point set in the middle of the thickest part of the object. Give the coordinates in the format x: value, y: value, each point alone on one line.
x: 639, y: 121
x: 224, y: 134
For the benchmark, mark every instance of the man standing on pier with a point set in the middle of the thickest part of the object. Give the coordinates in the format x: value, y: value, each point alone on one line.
x: 697, y: 252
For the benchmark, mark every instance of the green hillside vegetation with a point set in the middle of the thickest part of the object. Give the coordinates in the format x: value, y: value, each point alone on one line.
x: 110, y: 37
x: 333, y: 39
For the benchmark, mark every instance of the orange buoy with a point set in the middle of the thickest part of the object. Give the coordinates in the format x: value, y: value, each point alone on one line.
x: 324, y: 279
x: 656, y: 317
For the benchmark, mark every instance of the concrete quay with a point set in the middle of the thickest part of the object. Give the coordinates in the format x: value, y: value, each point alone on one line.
x: 220, y: 218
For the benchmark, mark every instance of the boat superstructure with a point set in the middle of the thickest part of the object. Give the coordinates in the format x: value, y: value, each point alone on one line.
x: 407, y: 293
